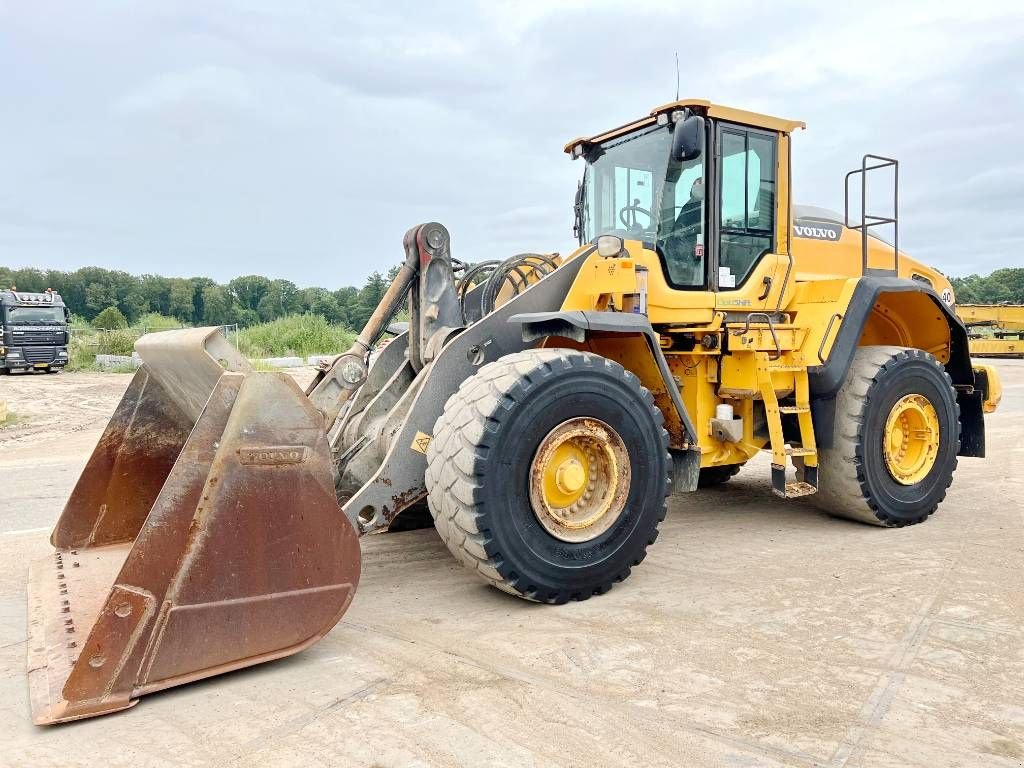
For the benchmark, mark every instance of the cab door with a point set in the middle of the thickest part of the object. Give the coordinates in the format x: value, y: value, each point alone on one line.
x: 746, y: 258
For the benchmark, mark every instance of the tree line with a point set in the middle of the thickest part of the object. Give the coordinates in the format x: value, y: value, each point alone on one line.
x: 252, y: 299
x: 1003, y: 286
x: 246, y: 300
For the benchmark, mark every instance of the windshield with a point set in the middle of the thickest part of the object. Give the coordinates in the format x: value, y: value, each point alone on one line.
x: 632, y: 189
x: 49, y: 315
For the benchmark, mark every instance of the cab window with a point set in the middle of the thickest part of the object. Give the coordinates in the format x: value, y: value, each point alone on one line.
x: 634, y: 188
x: 747, y: 202
x: 681, y: 228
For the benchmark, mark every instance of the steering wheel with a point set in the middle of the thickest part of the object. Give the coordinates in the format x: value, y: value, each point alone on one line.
x: 627, y: 215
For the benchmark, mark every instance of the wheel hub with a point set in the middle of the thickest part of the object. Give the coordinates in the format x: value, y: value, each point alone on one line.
x: 579, y: 479
x: 570, y: 477
x: 910, y: 443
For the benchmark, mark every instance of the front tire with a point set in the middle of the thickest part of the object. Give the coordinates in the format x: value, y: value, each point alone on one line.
x: 895, y: 440
x: 492, y: 453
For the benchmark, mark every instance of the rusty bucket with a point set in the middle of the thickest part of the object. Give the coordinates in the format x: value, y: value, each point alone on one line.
x: 203, y: 536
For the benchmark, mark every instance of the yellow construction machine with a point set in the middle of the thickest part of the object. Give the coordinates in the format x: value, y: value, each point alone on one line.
x: 544, y: 407
x: 994, y: 330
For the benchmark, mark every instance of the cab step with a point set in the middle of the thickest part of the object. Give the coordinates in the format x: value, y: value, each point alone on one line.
x: 794, y: 409
x: 797, y: 451
x: 782, y: 453
x: 796, y: 488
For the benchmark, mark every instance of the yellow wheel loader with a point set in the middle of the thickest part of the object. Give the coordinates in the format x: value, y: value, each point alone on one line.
x: 544, y: 407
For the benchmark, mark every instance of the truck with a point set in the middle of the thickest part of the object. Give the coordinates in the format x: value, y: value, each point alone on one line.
x: 34, y: 331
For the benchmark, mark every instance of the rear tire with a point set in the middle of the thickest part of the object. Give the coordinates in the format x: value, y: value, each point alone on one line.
x: 480, y: 473
x: 856, y: 477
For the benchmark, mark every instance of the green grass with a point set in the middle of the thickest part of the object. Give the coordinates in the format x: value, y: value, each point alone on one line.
x: 85, y: 346
x: 154, y: 321
x: 79, y: 322
x: 10, y: 421
x: 293, y: 335
x: 81, y: 356
x: 290, y: 336
x: 259, y: 365
x: 125, y: 368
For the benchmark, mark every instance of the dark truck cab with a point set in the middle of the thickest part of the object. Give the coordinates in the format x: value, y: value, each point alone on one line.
x: 34, y: 331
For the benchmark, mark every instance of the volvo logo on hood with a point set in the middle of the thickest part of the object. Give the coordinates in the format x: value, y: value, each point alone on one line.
x: 817, y: 230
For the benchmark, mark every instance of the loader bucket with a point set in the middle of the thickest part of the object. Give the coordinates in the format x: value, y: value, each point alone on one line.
x: 203, y: 536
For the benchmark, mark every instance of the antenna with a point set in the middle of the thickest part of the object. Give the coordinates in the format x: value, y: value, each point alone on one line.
x: 677, y: 75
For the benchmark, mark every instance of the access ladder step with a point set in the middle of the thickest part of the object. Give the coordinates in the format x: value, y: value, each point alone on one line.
x: 790, y: 451
x: 796, y: 489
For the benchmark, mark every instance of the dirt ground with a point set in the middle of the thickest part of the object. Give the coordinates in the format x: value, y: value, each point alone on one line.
x: 757, y: 633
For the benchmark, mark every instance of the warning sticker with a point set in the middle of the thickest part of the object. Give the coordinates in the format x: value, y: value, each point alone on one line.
x: 420, y: 442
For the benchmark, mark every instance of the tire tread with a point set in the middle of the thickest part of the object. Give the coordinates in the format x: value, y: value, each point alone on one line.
x: 458, y: 453
x: 844, y: 490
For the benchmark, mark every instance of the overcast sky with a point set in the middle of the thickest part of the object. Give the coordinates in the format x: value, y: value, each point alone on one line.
x: 301, y: 139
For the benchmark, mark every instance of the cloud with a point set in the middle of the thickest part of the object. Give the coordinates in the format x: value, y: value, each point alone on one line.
x: 214, y: 86
x: 302, y: 141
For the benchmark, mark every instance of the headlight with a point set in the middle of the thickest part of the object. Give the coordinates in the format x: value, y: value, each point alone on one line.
x: 14, y: 354
x: 609, y: 246
x: 62, y: 353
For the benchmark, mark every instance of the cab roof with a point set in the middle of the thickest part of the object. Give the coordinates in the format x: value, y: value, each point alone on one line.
x: 29, y: 298
x: 702, y: 106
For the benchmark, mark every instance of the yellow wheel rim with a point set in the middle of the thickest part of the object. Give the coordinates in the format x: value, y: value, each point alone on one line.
x: 911, y: 439
x: 579, y: 479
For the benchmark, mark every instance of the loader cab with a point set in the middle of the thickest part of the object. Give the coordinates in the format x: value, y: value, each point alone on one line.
x: 703, y: 186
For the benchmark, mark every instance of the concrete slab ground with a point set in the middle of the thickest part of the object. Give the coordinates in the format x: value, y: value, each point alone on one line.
x: 757, y: 633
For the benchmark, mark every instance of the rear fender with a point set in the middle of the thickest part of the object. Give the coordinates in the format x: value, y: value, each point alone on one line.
x: 889, y: 310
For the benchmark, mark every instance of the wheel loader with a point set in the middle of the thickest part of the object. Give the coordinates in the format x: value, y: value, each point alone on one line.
x: 543, y: 406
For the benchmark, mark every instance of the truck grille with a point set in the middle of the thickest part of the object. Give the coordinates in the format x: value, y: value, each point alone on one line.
x: 38, y: 354
x: 38, y: 337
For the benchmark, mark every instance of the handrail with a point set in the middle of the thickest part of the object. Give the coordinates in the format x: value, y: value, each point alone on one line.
x: 824, y: 338
x: 771, y: 329
x: 869, y: 220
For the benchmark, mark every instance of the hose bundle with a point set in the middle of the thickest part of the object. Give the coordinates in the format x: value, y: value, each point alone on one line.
x: 487, y: 279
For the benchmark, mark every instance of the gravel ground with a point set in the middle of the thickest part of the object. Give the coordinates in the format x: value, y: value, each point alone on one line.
x: 757, y: 633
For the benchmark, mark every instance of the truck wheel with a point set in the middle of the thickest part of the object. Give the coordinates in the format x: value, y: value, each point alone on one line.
x: 895, y: 440
x: 548, y: 474
x: 712, y: 476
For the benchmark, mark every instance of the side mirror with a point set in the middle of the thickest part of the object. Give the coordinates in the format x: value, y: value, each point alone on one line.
x: 688, y: 139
